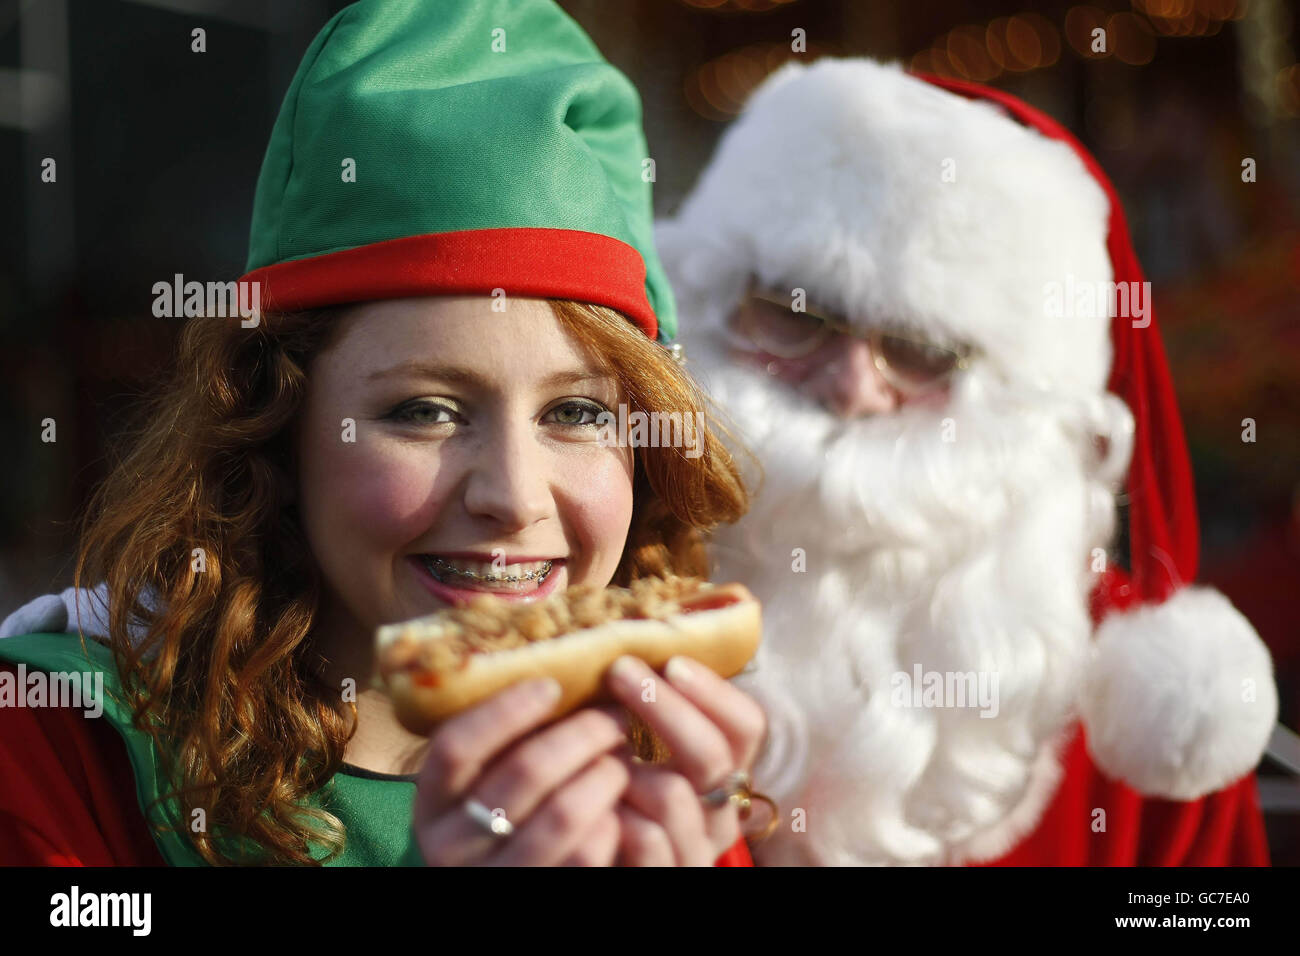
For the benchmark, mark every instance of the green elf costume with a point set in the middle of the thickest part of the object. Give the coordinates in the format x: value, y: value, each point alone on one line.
x: 423, y: 148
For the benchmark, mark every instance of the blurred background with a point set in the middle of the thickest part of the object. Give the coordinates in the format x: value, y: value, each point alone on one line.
x: 1193, y: 109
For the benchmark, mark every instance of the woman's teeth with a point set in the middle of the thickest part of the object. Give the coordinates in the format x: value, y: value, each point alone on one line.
x: 484, y: 573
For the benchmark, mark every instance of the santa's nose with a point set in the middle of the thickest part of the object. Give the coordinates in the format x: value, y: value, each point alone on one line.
x: 849, y: 384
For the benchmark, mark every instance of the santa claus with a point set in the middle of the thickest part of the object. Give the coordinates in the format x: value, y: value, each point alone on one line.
x: 917, y: 303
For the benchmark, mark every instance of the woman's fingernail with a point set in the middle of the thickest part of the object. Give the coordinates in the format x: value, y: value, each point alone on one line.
x: 625, y: 670
x: 680, y: 670
x: 547, y: 690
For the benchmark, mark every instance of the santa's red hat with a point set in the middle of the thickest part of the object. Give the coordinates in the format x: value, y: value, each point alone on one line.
x: 1179, y: 698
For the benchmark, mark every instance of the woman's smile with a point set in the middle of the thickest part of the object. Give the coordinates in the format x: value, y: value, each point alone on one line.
x: 456, y: 579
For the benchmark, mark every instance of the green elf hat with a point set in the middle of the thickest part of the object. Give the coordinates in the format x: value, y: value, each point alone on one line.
x: 456, y: 147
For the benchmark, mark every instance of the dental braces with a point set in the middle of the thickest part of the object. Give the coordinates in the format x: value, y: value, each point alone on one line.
x: 540, y: 575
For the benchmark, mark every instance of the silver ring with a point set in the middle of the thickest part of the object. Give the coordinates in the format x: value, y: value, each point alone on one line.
x: 737, y: 785
x: 494, y: 823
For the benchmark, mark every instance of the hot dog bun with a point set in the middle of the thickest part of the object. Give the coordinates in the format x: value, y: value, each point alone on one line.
x: 437, y: 666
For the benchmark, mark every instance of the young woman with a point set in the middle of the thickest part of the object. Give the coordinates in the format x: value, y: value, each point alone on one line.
x: 410, y: 407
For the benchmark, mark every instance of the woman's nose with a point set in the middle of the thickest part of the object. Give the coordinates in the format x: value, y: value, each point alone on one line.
x: 848, y: 384
x: 507, y: 482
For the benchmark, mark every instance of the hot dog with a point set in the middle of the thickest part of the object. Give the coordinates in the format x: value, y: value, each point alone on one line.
x: 436, y: 666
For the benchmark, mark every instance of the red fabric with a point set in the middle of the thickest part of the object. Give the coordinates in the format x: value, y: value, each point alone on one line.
x: 68, y: 797
x: 1225, y: 827
x: 543, y: 264
x: 738, y: 855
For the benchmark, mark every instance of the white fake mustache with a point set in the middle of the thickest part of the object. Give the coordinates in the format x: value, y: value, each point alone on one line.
x: 961, y: 468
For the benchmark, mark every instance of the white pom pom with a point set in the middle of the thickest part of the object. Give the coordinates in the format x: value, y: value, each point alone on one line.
x: 1179, y: 699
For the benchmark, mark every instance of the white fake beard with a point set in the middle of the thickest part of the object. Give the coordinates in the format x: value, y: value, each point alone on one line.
x: 960, y: 555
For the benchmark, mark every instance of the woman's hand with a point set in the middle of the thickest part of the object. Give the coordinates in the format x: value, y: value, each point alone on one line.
x: 713, y: 729
x: 558, y: 787
x: 573, y: 792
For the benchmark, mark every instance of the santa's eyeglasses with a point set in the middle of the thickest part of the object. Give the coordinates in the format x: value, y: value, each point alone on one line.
x: 768, y: 321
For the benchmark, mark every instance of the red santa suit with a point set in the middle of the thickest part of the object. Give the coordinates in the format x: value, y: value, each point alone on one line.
x: 1133, y: 706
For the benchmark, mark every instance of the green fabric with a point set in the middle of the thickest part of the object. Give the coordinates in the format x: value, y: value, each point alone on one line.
x: 449, y: 135
x: 376, y: 813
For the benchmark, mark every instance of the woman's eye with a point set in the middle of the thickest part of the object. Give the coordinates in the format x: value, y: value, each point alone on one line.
x: 415, y: 414
x: 576, y: 413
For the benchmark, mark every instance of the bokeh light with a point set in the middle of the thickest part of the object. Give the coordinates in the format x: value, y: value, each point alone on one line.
x: 718, y: 88
x: 1288, y: 89
x: 1131, y: 39
x: 1080, y: 22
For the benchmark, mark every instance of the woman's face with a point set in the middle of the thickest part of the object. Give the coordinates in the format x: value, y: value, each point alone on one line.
x: 473, y: 460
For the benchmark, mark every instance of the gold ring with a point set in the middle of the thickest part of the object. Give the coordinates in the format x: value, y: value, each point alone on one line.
x: 772, y: 824
x: 739, y: 790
